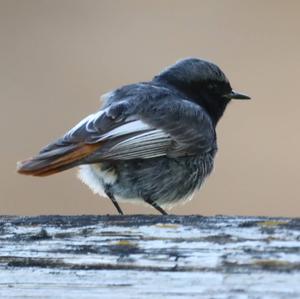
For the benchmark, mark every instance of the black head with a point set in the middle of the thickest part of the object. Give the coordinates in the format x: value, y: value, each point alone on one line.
x: 203, y: 82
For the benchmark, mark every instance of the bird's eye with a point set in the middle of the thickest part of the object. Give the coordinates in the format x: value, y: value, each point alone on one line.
x: 211, y: 86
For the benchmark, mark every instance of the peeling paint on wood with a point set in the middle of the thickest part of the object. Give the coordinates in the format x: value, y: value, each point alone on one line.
x: 149, y: 257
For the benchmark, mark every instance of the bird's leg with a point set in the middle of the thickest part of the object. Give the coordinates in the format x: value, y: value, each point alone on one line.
x: 156, y: 206
x: 112, y: 198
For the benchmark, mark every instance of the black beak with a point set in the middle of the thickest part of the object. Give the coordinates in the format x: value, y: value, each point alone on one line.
x: 237, y: 96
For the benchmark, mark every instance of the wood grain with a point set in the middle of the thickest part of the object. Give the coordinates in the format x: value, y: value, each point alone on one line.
x: 149, y: 257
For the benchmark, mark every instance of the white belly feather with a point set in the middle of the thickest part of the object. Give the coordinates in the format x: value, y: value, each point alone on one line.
x: 94, y: 177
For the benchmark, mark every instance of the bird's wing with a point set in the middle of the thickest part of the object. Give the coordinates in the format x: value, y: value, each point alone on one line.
x: 120, y: 138
x: 125, y: 131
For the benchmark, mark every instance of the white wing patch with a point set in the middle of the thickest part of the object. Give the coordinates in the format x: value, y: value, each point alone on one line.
x: 87, y: 121
x: 125, y: 129
x: 138, y: 139
x: 145, y: 145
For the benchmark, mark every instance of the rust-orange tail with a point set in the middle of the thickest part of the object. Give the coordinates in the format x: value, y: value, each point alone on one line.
x: 57, y: 160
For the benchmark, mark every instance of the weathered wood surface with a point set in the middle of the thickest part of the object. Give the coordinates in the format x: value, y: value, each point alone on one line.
x: 149, y: 257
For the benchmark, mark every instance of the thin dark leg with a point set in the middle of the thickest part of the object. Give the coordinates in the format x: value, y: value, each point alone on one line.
x: 112, y: 198
x: 156, y: 207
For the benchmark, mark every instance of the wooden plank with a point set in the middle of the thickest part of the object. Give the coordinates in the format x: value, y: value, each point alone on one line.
x: 149, y: 257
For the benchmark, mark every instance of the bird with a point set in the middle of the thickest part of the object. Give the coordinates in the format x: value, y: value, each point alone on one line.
x: 151, y: 142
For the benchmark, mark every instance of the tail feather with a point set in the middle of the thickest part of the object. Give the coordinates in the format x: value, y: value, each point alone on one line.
x: 56, y: 160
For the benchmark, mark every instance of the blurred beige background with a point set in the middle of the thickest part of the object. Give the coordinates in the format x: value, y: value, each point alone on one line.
x: 58, y: 56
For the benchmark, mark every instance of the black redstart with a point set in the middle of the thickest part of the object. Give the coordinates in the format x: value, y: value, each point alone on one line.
x: 150, y: 142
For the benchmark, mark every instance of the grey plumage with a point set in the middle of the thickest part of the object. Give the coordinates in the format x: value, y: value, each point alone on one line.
x: 152, y: 141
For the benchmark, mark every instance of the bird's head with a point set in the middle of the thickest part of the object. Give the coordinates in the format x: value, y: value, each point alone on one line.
x: 203, y: 82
